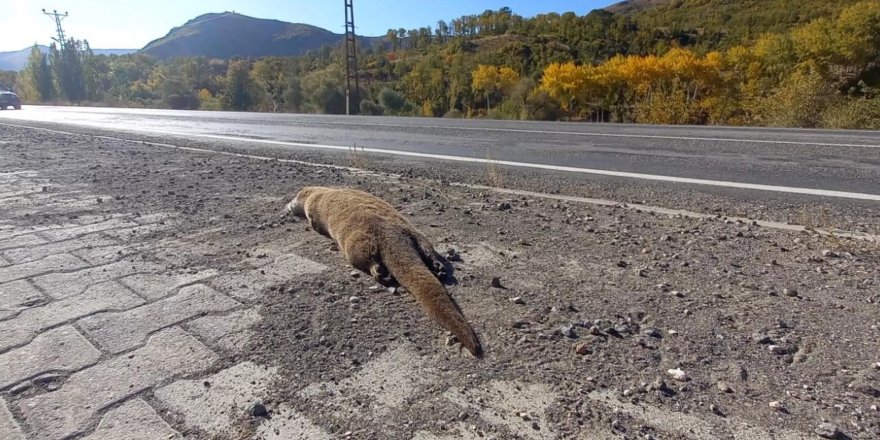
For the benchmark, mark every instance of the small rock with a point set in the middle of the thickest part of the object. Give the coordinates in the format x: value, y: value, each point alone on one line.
x: 496, y: 283
x: 864, y: 387
x: 615, y: 425
x: 777, y: 349
x: 672, y: 332
x: 716, y: 410
x: 652, y: 332
x: 790, y: 292
x: 777, y: 405
x: 568, y: 331
x: 354, y: 299
x: 622, y: 263
x: 724, y: 387
x: 517, y: 300
x: 877, y: 366
x: 583, y: 349
x: 621, y: 329
x: 761, y: 338
x: 259, y: 410
x: 677, y: 374
x: 828, y: 253
x: 827, y: 430
x: 355, y: 274
x: 451, y: 340
x: 525, y: 416
x: 504, y: 206
x: 595, y: 331
x: 627, y: 392
x: 659, y: 385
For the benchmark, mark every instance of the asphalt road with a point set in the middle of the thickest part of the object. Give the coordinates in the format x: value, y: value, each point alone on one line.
x: 819, y: 163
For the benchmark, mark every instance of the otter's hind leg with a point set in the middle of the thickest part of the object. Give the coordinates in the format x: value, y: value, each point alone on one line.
x: 381, y: 274
x: 438, y: 264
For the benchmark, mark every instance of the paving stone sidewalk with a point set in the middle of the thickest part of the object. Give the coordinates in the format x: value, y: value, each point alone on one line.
x: 99, y: 339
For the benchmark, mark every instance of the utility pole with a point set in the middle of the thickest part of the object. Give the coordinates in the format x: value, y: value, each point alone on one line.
x: 351, y: 65
x: 58, y: 17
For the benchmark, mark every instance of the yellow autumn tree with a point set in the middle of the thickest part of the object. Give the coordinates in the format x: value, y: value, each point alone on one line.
x: 485, y: 81
x: 564, y: 82
x: 489, y: 80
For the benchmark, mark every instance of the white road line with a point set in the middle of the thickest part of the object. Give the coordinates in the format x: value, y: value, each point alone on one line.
x: 624, y: 174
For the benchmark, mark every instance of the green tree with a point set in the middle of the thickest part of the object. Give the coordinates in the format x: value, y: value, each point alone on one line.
x: 38, y: 76
x: 67, y: 65
x: 269, y: 77
x: 239, y: 86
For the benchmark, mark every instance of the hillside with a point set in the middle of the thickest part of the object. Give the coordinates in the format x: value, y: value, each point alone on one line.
x: 17, y: 60
x: 228, y: 35
x: 739, y: 19
x: 629, y: 6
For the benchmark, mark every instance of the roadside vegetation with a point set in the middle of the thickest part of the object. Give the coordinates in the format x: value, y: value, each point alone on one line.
x: 684, y: 62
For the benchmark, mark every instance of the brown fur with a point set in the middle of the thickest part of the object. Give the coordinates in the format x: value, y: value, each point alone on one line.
x: 378, y: 240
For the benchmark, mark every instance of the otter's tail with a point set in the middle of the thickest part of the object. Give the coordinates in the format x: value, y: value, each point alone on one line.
x: 404, y: 262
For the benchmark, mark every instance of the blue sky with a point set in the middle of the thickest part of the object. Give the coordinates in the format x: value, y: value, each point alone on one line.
x: 114, y: 24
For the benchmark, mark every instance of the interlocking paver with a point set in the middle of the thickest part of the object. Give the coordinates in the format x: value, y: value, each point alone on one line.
x: 75, y: 231
x: 135, y: 232
x: 288, y: 424
x: 167, y: 354
x: 21, y: 241
x: 109, y: 295
x: 63, y: 285
x: 214, y: 408
x: 120, y: 331
x: 133, y: 420
x: 248, y: 286
x: 52, y: 263
x: 107, y: 254
x: 228, y: 332
x: 156, y: 286
x: 61, y: 349
x: 16, y: 296
x: 9, y: 429
x: 31, y: 253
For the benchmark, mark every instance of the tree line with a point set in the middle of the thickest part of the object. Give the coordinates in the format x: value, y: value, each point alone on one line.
x: 821, y: 72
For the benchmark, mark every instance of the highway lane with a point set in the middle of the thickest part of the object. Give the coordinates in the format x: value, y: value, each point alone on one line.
x: 820, y: 162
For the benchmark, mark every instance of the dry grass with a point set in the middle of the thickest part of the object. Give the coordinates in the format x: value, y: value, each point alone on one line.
x: 493, y: 175
x: 357, y: 158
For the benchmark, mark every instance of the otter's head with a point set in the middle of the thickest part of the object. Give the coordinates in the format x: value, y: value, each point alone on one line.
x: 297, y: 206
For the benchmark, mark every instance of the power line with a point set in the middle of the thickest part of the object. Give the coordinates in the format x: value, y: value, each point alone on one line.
x: 351, y: 65
x: 58, y: 17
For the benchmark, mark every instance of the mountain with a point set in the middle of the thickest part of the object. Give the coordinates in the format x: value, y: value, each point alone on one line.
x: 17, y: 60
x: 227, y: 35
